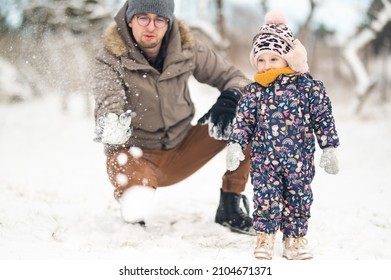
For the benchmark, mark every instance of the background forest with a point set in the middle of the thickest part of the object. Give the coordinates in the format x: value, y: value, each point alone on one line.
x: 48, y: 45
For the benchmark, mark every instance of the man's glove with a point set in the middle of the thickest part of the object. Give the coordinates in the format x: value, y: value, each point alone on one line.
x: 222, y: 114
x: 113, y: 129
x: 234, y: 156
x: 329, y: 161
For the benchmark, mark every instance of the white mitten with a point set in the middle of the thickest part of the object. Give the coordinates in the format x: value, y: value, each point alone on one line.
x: 329, y: 161
x: 234, y: 156
x: 113, y: 129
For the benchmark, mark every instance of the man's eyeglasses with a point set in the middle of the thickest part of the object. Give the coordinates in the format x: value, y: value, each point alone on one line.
x: 159, y: 22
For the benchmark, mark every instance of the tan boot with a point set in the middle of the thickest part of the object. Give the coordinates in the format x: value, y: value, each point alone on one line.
x: 294, y: 249
x: 265, y: 246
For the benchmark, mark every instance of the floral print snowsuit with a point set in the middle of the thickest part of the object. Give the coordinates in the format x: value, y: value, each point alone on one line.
x: 280, y: 122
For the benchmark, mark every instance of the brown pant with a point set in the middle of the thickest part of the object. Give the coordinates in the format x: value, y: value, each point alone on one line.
x: 159, y: 168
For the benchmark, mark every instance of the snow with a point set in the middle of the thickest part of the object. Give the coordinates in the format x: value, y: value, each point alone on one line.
x: 56, y: 202
x: 57, y: 209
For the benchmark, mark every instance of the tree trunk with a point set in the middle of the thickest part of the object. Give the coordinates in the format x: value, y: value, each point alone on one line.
x: 306, y: 27
x: 220, y: 19
x: 265, y: 6
x: 364, y: 81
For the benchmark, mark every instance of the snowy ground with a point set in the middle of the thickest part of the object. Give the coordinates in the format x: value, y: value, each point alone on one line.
x: 56, y: 202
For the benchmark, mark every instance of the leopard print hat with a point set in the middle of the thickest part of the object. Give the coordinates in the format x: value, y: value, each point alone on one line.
x: 275, y: 37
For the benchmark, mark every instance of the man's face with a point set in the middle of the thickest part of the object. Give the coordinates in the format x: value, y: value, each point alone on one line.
x: 148, y: 30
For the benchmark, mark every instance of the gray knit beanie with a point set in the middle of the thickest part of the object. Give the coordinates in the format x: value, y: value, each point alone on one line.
x: 164, y: 8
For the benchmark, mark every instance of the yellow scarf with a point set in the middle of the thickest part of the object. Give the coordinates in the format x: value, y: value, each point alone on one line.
x: 268, y: 77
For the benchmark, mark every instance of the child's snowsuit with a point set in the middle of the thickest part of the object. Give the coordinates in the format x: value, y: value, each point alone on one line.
x: 280, y: 121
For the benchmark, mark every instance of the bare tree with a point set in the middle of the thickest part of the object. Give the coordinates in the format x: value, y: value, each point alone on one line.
x: 213, y: 32
x: 305, y: 29
x: 365, y: 82
x: 220, y: 18
x: 264, y: 5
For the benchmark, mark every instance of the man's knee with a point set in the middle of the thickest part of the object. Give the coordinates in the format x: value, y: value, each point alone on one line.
x: 124, y: 171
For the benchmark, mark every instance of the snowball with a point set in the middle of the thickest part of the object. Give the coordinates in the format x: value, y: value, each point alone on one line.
x: 136, y: 152
x: 122, y: 159
x: 145, y: 181
x: 136, y: 203
x: 122, y: 179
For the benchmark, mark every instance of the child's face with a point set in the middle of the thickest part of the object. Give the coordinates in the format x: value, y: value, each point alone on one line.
x: 269, y: 61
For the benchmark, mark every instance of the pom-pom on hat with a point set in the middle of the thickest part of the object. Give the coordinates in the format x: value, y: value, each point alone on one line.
x: 275, y: 37
x: 164, y: 8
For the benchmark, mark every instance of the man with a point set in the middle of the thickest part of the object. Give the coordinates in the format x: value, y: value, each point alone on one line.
x: 144, y: 110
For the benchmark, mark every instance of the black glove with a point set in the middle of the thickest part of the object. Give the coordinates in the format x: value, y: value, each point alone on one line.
x: 222, y: 114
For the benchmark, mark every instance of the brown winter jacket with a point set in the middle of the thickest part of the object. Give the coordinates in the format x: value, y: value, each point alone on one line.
x: 161, y: 101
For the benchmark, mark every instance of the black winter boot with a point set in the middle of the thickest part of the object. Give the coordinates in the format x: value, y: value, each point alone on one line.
x: 229, y: 213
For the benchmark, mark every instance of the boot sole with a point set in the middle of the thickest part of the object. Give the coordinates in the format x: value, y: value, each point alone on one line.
x: 251, y: 231
x: 262, y: 258
x: 138, y: 223
x: 303, y: 259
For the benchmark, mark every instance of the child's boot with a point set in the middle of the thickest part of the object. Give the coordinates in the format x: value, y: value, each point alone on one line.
x: 294, y: 248
x: 265, y: 246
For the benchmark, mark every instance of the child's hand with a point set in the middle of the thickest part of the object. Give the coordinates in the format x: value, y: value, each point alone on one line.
x: 234, y: 156
x: 329, y: 161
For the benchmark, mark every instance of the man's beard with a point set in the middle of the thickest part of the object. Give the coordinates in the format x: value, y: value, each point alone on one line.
x: 149, y: 45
